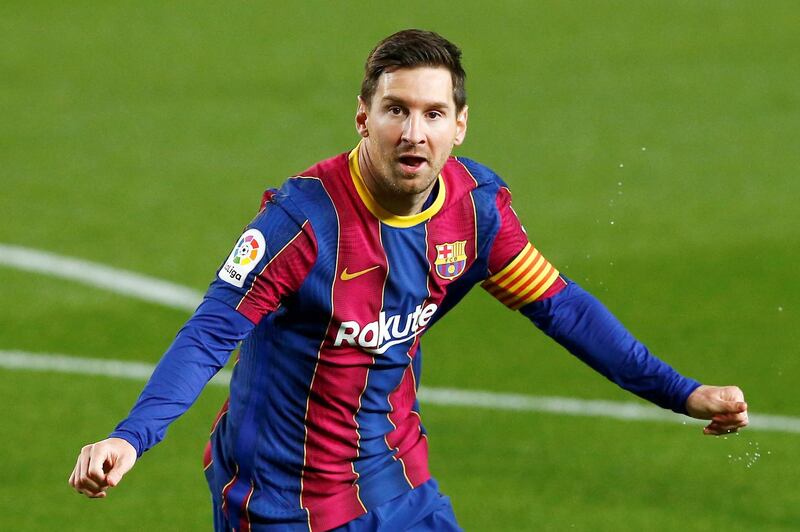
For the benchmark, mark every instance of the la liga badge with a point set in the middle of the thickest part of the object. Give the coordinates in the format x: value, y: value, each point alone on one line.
x: 451, y: 259
x: 244, y: 257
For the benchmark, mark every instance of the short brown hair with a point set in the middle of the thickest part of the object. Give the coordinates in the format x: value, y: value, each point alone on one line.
x: 414, y: 48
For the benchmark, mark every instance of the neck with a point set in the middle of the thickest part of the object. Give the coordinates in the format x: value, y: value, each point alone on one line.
x: 394, y: 201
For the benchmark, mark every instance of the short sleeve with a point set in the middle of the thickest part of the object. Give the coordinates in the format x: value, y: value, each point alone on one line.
x: 519, y: 273
x: 268, y: 262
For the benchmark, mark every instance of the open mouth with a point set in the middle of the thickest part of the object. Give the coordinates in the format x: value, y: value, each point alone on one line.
x: 412, y: 163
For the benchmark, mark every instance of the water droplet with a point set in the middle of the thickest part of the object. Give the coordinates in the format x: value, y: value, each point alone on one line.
x: 780, y: 309
x: 612, y: 222
x: 619, y: 183
x: 644, y: 149
x: 730, y: 456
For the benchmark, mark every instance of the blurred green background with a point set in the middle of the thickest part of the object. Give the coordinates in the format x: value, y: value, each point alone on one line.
x: 652, y: 149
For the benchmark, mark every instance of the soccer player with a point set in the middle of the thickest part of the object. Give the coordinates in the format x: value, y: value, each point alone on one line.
x: 329, y: 290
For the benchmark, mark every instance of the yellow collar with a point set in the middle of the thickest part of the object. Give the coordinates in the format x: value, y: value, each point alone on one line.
x: 395, y: 220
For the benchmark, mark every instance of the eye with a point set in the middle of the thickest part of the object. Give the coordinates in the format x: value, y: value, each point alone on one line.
x: 395, y: 110
x: 434, y: 115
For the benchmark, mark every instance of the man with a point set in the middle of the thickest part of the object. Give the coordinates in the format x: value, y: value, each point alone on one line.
x: 330, y: 288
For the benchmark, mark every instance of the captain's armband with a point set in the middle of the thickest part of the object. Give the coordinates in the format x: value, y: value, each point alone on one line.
x: 524, y: 280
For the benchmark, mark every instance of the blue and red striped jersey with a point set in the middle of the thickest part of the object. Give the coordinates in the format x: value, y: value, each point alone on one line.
x: 331, y: 295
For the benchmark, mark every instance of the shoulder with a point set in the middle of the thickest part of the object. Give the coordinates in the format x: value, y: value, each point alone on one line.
x: 329, y: 168
x: 488, y: 190
x: 304, y: 193
x: 482, y: 174
x: 308, y: 190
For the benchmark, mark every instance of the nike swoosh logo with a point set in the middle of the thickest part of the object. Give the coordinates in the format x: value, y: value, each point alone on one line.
x: 347, y: 276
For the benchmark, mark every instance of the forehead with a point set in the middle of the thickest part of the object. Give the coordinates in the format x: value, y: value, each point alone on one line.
x: 419, y: 86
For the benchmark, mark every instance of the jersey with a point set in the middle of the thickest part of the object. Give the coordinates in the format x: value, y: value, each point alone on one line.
x: 331, y: 295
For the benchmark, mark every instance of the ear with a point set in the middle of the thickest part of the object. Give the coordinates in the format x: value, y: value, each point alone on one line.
x: 362, y: 117
x: 461, y: 126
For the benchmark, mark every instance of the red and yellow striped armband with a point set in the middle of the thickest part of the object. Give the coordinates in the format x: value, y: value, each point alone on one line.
x: 524, y: 280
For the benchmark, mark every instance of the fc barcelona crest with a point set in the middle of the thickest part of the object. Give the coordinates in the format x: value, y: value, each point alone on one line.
x: 450, y: 259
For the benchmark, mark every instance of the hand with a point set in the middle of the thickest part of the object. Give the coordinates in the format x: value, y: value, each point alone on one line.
x: 101, y: 466
x: 723, y: 405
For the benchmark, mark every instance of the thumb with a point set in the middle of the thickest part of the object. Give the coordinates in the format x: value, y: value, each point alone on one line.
x: 116, y: 473
x: 732, y: 407
x: 113, y: 477
x: 122, y: 464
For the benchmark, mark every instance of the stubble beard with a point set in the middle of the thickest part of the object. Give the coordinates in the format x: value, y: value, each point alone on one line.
x: 412, y: 183
x: 394, y: 184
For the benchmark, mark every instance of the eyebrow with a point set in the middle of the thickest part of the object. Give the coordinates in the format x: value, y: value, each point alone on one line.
x: 433, y: 105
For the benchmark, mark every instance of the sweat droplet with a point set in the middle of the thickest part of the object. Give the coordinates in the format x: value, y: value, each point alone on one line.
x: 644, y: 149
x: 780, y: 309
x: 621, y: 165
x: 612, y: 222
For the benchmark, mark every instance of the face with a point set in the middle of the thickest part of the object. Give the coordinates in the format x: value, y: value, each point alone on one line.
x: 409, y: 130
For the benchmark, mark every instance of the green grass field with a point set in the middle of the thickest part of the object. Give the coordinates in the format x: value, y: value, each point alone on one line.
x: 652, y: 148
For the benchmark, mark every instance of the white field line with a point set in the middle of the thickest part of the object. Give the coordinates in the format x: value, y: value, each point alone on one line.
x: 180, y: 297
x: 21, y: 360
x: 120, y: 281
x: 121, y: 369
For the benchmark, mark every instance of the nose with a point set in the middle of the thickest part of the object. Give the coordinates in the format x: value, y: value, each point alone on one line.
x: 413, y: 129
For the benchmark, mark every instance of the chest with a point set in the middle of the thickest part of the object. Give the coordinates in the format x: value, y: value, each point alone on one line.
x: 383, y: 285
